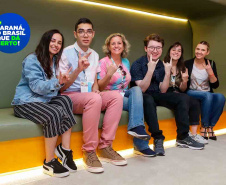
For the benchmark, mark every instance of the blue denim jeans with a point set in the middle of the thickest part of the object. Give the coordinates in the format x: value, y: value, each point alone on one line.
x: 212, y: 105
x: 133, y: 103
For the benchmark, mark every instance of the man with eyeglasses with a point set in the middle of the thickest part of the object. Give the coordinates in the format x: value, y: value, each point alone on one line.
x: 152, y: 76
x: 84, y: 92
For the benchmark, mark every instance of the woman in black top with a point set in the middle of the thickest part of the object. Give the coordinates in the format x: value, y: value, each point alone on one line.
x: 178, y: 84
x: 202, y: 80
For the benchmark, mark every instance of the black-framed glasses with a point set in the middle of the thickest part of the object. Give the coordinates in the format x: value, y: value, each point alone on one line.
x: 152, y: 48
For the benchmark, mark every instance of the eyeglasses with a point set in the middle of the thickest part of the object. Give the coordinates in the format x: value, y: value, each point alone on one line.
x: 82, y: 32
x: 152, y: 48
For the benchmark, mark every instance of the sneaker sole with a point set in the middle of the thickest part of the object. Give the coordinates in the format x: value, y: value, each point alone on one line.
x: 139, y: 153
x: 94, y: 169
x: 50, y: 172
x: 58, y: 154
x: 160, y: 154
x: 114, y: 162
x: 143, y: 137
x: 187, y: 146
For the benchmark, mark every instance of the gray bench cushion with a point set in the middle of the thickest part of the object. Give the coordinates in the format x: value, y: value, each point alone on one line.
x: 12, y: 128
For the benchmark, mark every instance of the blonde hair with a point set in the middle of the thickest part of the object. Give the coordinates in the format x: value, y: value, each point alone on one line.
x: 125, y: 44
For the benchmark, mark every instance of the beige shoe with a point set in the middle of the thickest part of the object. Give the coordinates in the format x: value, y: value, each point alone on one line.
x: 92, y: 163
x: 109, y: 155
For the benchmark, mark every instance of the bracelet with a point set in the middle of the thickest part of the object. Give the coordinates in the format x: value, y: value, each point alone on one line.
x: 212, y: 74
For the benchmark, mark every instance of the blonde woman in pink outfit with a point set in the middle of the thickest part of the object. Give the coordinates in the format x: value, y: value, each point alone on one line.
x: 115, y: 77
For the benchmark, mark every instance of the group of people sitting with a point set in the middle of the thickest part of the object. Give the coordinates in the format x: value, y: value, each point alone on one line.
x: 58, y: 82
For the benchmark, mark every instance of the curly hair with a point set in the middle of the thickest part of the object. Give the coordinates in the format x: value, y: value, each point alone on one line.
x: 125, y: 44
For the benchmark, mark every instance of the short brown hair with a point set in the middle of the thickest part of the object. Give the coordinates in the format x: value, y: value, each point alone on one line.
x: 154, y: 37
x: 205, y: 43
x: 125, y: 44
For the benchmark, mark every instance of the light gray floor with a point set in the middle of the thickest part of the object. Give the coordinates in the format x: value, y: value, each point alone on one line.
x: 180, y: 166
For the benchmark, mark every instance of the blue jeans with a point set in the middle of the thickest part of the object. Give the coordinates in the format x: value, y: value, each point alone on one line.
x: 133, y: 103
x: 212, y: 105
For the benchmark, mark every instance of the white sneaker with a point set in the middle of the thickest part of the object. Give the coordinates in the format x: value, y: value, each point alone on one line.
x: 198, y: 138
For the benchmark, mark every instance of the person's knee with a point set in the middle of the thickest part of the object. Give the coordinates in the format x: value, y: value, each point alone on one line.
x: 116, y: 97
x: 185, y: 97
x: 56, y: 114
x: 149, y: 100
x: 94, y: 99
x: 136, y: 90
x: 221, y: 97
x: 208, y: 96
x: 181, y: 99
x: 181, y: 103
x: 195, y: 103
x: 67, y: 99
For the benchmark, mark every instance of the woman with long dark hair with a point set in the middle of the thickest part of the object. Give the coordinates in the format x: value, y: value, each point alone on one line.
x: 178, y: 84
x: 203, y: 79
x: 37, y: 99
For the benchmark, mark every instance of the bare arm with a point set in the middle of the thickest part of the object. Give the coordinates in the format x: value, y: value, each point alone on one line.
x: 145, y: 83
x: 95, y: 87
x: 183, y: 85
x: 165, y: 84
x: 210, y: 72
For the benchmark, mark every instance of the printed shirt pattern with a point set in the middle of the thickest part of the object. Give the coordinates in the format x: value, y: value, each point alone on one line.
x: 117, y: 78
x: 199, y: 79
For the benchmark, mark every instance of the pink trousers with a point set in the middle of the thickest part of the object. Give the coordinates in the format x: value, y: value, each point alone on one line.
x: 90, y: 105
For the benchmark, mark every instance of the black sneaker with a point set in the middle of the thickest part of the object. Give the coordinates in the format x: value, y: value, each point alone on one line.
x: 158, y: 147
x: 66, y: 157
x: 188, y: 142
x: 54, y: 168
x: 146, y: 153
x: 140, y: 133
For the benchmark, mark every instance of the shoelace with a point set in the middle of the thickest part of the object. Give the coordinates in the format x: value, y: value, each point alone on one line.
x: 92, y: 156
x: 158, y: 143
x: 112, y: 152
x: 56, y: 162
x: 189, y: 139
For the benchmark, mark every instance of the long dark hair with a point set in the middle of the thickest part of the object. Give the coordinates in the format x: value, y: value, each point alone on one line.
x: 180, y: 63
x: 42, y: 51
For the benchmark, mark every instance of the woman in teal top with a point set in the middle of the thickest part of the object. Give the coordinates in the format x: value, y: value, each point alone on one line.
x: 115, y: 76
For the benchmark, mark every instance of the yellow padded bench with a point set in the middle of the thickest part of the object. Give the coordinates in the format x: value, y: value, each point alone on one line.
x: 22, y: 141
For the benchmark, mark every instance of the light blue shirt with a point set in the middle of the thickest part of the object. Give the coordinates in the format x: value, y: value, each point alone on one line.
x: 34, y: 86
x: 69, y: 59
